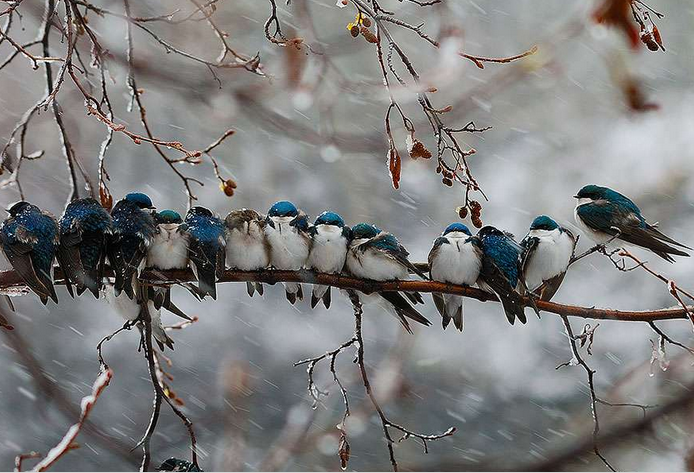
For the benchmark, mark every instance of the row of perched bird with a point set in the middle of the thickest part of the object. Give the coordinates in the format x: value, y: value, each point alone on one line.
x: 134, y: 236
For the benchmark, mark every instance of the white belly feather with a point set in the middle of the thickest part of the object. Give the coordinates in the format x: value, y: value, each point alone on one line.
x: 372, y: 264
x: 246, y: 250
x: 288, y: 247
x: 169, y: 248
x: 328, y: 250
x: 456, y: 263
x: 550, y: 258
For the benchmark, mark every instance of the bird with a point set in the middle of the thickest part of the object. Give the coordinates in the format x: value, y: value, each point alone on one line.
x: 547, y: 251
x: 84, y: 231
x: 131, y: 310
x: 168, y: 250
x: 606, y: 215
x: 206, y: 248
x: 378, y: 256
x: 30, y: 238
x: 455, y: 258
x: 329, y: 241
x: 500, y: 272
x: 247, y: 246
x: 133, y: 233
x: 289, y: 240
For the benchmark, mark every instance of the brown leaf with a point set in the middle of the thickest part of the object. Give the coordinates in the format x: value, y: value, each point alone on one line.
x: 394, y: 166
x: 105, y: 197
x: 636, y: 97
x: 617, y: 13
x: 343, y: 451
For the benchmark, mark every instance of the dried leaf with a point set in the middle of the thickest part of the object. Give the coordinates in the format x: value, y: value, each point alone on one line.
x: 105, y: 197
x: 394, y: 166
x: 617, y: 13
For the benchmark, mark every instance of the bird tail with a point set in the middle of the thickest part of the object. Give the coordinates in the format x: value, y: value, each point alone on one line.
x: 158, y: 331
x: 513, y: 307
x: 404, y: 310
x: 207, y: 281
x: 319, y: 293
x: 253, y: 287
x: 451, y: 308
x: 293, y: 291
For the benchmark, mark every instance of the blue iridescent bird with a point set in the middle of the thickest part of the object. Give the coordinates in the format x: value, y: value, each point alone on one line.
x: 289, y: 240
x: 379, y: 256
x: 133, y: 232
x: 30, y: 238
x: 501, y: 271
x: 606, y: 215
x: 84, y: 230
x: 329, y: 241
x: 548, y: 248
x: 455, y: 258
x: 206, y: 248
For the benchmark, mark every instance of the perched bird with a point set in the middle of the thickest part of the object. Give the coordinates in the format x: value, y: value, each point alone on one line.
x: 329, y: 241
x: 133, y: 232
x: 548, y: 248
x: 379, y: 256
x: 455, y: 258
x: 206, y: 248
x: 289, y: 240
x: 84, y: 230
x: 605, y: 215
x: 500, y: 271
x: 29, y: 240
x: 169, y: 250
x: 131, y: 310
x: 247, y: 246
x: 169, y: 247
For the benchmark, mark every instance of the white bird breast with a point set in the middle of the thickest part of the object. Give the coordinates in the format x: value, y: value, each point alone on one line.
x: 328, y: 249
x: 288, y: 247
x: 169, y: 249
x: 373, y: 264
x: 456, y: 262
x: 550, y: 258
x: 246, y: 248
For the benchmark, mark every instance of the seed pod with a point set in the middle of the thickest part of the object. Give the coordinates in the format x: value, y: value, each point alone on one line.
x: 477, y: 222
x: 447, y: 182
x: 354, y: 31
x: 462, y: 212
x: 368, y: 35
x: 475, y: 206
x: 228, y: 187
x: 366, y: 22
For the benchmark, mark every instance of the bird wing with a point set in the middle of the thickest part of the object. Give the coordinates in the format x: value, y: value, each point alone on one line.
x: 613, y: 219
x: 68, y: 256
x: 389, y: 245
x: 510, y: 299
x: 18, y: 253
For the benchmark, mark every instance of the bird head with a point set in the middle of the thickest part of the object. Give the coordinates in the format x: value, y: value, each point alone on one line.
x: 283, y: 208
x: 19, y: 207
x: 167, y: 216
x: 364, y: 231
x: 457, y: 228
x: 329, y: 218
x: 543, y: 222
x: 141, y: 200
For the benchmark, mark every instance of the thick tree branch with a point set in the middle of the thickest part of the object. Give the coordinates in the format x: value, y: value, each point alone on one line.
x: 10, y: 279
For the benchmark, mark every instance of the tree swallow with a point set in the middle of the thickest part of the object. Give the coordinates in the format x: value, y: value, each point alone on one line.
x: 603, y: 214
x: 133, y: 232
x: 329, y: 240
x: 247, y: 245
x: 131, y: 310
x: 84, y: 229
x: 379, y: 256
x: 206, y: 247
x: 455, y: 258
x: 548, y: 249
x: 29, y: 240
x: 500, y: 271
x: 287, y: 235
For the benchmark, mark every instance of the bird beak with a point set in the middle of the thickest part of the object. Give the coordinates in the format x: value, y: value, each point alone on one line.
x: 576, y: 197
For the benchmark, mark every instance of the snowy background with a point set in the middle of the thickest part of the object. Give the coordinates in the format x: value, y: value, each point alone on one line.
x: 559, y: 122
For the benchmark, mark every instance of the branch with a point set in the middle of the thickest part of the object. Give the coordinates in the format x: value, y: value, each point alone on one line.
x: 67, y: 443
x: 10, y: 279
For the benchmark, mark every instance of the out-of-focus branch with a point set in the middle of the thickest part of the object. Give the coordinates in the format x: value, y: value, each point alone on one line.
x: 68, y: 441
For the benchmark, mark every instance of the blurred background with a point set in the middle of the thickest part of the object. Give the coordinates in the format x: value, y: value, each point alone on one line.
x: 312, y: 131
